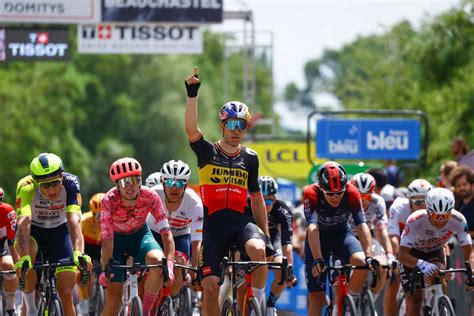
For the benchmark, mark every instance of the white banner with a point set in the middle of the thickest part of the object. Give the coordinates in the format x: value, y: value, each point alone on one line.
x: 50, y: 11
x: 139, y: 39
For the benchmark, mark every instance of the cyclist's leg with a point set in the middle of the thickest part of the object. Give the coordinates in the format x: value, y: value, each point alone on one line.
x: 413, y: 301
x: 66, y: 280
x: 352, y: 252
x: 390, y: 303
x: 10, y: 281
x: 253, y: 240
x: 85, y: 289
x: 316, y: 286
x: 276, y: 289
x: 113, y: 296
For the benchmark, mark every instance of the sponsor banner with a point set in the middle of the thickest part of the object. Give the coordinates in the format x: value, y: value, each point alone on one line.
x: 176, y: 11
x: 283, y: 159
x: 31, y: 44
x: 50, y: 11
x: 3, y: 47
x: 368, y: 138
x: 139, y: 39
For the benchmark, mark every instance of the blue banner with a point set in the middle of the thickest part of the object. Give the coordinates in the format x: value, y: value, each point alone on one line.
x: 368, y: 138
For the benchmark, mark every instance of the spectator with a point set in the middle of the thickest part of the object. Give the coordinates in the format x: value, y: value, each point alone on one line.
x: 382, y: 188
x: 444, y: 174
x: 460, y: 150
x: 462, y: 178
x: 394, y: 173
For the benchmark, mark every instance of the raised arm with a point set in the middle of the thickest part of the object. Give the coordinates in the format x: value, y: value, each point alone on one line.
x: 192, y: 84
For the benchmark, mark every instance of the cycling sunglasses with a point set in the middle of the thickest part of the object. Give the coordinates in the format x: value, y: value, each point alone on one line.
x: 269, y: 201
x: 334, y: 194
x: 366, y: 197
x: 175, y: 183
x: 440, y: 217
x: 50, y: 184
x: 418, y: 202
x: 132, y: 180
x: 233, y: 124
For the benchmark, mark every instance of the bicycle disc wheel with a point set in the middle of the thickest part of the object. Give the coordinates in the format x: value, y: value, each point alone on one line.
x: 55, y: 307
x: 136, y: 308
x: 367, y: 305
x: 348, y: 306
x: 185, y: 303
x: 227, y: 308
x: 253, y: 308
x: 445, y: 308
x: 166, y: 309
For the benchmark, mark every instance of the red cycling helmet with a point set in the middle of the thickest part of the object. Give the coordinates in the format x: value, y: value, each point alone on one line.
x: 125, y: 167
x: 332, y: 177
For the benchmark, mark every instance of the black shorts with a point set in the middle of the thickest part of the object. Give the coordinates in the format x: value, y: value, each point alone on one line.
x: 342, y: 245
x: 219, y: 234
x: 93, y: 251
x: 405, y: 272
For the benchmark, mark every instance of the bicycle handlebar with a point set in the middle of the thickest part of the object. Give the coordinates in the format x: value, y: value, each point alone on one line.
x: 135, y: 267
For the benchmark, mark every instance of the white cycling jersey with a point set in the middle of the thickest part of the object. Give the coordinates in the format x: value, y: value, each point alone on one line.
x: 421, y: 235
x: 398, y: 215
x: 188, y: 217
x: 375, y: 215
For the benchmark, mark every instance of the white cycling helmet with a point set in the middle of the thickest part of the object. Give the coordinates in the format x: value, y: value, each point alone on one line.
x: 364, y: 182
x: 419, y: 187
x: 439, y: 201
x: 153, y: 179
x: 268, y: 185
x: 175, y: 170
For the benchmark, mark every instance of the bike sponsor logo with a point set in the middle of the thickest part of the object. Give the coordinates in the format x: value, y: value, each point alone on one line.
x: 32, y: 45
x: 139, y: 39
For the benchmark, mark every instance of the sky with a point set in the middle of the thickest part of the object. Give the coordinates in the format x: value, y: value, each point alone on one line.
x: 303, y: 29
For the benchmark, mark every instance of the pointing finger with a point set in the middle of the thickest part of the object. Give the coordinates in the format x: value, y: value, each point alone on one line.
x: 196, y: 71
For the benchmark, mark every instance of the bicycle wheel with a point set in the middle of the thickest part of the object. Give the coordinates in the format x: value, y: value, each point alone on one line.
x: 185, y: 303
x: 402, y: 304
x: 367, y: 305
x: 227, y: 308
x: 55, y: 307
x: 166, y: 309
x: 136, y: 308
x: 42, y: 310
x: 253, y: 308
x: 348, y: 306
x: 445, y: 308
x: 97, y: 301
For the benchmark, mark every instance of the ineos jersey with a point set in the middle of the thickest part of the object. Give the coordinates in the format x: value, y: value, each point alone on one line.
x: 334, y: 219
x: 280, y: 217
x: 187, y: 219
x: 421, y: 235
x: 398, y: 215
x: 7, y: 223
x: 225, y: 179
x: 375, y: 214
x: 45, y: 213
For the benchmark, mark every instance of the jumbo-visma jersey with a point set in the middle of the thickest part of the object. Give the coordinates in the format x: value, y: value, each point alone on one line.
x: 224, y: 179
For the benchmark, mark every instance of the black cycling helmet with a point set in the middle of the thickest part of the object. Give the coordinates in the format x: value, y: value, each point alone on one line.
x: 380, y: 176
x: 332, y: 177
x: 268, y: 185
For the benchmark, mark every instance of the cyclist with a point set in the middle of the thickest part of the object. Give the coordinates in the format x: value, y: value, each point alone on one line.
x: 153, y: 179
x: 280, y: 225
x: 423, y: 238
x: 49, y: 218
x: 7, y: 237
x: 228, y: 171
x: 92, y: 237
x: 398, y: 215
x: 183, y: 207
x: 376, y: 218
x: 124, y: 230
x: 328, y: 205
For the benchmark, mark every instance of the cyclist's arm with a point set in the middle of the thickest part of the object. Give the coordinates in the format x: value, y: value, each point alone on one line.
x: 406, y: 258
x: 195, y: 249
x: 365, y: 238
x: 314, y: 241
x: 24, y: 196
x: 107, y: 251
x: 22, y: 236
x: 191, y: 116
x: 259, y: 212
x: 74, y: 225
x: 196, y: 229
x: 288, y: 252
x: 168, y: 243
x: 382, y: 236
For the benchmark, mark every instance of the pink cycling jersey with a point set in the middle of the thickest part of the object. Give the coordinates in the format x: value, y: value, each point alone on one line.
x: 116, y: 218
